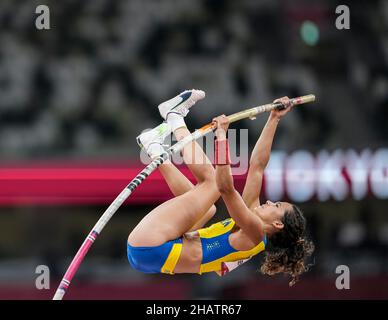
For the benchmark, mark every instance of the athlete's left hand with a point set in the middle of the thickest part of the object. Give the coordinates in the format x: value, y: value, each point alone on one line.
x: 285, y: 101
x: 222, y: 124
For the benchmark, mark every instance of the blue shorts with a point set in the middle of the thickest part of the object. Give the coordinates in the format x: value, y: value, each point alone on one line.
x: 158, y: 259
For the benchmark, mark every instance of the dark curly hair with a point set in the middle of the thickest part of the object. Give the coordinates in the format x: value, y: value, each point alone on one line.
x: 288, y: 248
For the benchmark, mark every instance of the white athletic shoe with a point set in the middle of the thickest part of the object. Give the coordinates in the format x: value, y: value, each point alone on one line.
x: 181, y: 103
x: 152, y: 141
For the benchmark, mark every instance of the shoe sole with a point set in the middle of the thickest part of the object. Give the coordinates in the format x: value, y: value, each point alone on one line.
x: 185, y: 97
x: 138, y: 140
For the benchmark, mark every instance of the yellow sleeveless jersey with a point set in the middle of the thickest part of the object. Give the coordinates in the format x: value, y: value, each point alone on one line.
x: 217, y: 253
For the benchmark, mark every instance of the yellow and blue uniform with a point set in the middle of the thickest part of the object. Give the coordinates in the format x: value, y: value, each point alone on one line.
x: 216, y: 251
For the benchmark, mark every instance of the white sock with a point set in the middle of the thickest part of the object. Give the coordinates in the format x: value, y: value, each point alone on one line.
x: 175, y: 121
x: 155, y: 150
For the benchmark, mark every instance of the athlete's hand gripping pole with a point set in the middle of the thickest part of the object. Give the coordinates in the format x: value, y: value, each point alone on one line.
x: 111, y: 210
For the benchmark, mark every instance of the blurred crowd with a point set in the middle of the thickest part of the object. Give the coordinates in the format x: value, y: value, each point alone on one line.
x: 91, y: 83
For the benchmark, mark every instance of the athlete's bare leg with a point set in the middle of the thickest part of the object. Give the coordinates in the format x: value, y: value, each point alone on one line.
x: 179, y: 184
x: 176, y: 216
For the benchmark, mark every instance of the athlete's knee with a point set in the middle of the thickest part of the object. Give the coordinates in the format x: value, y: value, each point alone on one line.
x: 208, y: 174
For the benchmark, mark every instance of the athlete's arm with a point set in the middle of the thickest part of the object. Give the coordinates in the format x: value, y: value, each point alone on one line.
x: 250, y: 223
x: 260, y: 155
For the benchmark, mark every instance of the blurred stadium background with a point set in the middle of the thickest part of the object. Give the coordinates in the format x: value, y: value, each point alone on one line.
x: 73, y: 99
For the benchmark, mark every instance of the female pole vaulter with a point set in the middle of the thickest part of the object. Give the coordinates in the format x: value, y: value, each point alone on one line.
x: 172, y: 238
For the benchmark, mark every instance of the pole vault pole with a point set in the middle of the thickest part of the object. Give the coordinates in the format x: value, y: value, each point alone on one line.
x: 128, y: 190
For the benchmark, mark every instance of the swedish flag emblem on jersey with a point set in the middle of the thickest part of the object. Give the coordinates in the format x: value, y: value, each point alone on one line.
x: 226, y: 222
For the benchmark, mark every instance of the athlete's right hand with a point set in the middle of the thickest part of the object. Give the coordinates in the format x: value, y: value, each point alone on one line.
x: 222, y: 124
x: 287, y: 104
